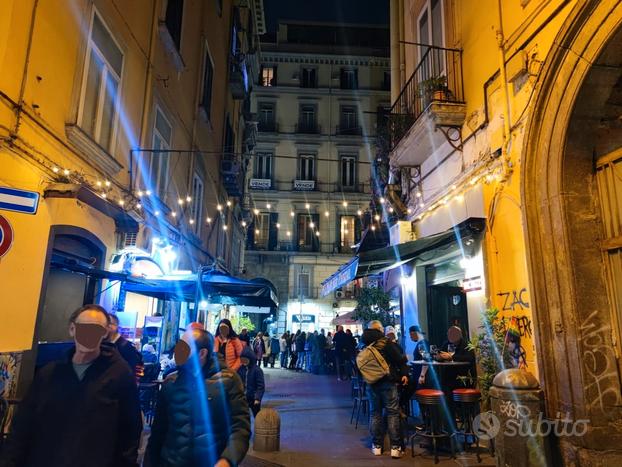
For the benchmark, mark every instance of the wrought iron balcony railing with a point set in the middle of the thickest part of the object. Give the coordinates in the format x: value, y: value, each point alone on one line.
x: 308, y: 128
x: 437, y: 78
x: 349, y: 130
x: 268, y: 126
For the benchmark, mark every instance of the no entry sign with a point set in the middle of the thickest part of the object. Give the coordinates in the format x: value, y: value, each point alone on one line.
x: 6, y: 236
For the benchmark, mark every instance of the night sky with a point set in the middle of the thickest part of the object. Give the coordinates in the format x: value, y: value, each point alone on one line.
x: 345, y: 11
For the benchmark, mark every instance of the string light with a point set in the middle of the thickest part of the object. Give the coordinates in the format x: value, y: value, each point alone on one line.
x: 382, y: 200
x: 317, y: 233
x: 278, y: 226
x: 391, y: 209
x: 359, y: 212
x: 256, y: 211
x: 243, y: 223
x: 180, y: 202
x: 307, y: 206
x: 268, y: 206
x: 188, y: 199
x: 104, y: 195
x: 139, y: 206
x: 174, y: 214
x: 107, y: 182
x: 55, y: 170
x: 421, y: 204
x: 157, y: 213
x: 409, y: 210
x: 66, y: 172
x: 327, y: 213
x: 224, y: 227
x: 229, y: 204
x: 121, y: 202
x: 311, y: 224
x: 418, y: 194
x: 377, y: 217
x: 219, y: 207
x: 148, y: 192
x: 191, y: 221
x: 140, y: 193
x: 208, y: 220
x: 289, y: 234
x: 98, y: 183
x: 292, y: 213
x: 256, y: 231
x: 373, y: 227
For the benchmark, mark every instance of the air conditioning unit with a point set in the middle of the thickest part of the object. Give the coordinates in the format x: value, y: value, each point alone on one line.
x: 339, y: 294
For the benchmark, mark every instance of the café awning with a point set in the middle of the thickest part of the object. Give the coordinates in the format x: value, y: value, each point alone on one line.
x: 346, y: 319
x: 377, y: 261
x: 216, y: 287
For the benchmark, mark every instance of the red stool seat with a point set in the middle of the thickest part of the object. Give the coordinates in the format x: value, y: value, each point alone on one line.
x: 429, y: 392
x: 465, y: 391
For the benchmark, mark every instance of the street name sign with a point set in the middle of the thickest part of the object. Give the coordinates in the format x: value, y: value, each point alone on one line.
x: 22, y: 201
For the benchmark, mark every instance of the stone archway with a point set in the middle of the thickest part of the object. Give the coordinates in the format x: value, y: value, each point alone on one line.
x: 564, y: 229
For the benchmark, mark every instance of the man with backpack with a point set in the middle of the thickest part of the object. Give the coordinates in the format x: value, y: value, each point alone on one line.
x: 383, y: 367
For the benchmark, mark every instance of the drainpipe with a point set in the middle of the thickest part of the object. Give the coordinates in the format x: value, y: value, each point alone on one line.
x: 506, y: 94
x: 395, y: 49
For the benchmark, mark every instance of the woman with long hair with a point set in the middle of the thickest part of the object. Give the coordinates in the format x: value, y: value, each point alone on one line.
x: 228, y: 344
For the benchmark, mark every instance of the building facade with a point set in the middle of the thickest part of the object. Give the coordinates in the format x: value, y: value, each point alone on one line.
x: 129, y: 124
x: 316, y: 104
x: 508, y: 116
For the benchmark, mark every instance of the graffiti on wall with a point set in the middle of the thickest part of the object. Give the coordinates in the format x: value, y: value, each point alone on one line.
x: 515, y: 299
x: 514, y: 305
x: 599, y: 362
x: 9, y: 370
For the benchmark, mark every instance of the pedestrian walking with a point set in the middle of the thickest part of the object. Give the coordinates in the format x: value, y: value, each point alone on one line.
x: 253, y: 379
x: 80, y: 411
x: 383, y: 394
x: 301, y: 341
x: 310, y: 345
x: 245, y: 337
x: 228, y: 344
x: 342, y: 353
x: 268, y: 350
x: 293, y: 364
x: 283, y: 350
x: 259, y: 347
x: 275, y: 350
x: 202, y: 415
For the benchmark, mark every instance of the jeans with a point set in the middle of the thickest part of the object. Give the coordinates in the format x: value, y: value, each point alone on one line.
x: 383, y: 395
x: 283, y: 359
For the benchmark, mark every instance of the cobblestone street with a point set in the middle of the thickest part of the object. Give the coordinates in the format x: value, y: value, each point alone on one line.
x: 315, y: 427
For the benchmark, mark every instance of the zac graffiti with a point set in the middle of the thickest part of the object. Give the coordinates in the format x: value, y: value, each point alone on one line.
x: 522, y: 328
x: 514, y: 299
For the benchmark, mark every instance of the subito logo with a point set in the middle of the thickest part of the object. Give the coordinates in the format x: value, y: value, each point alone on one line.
x: 486, y: 425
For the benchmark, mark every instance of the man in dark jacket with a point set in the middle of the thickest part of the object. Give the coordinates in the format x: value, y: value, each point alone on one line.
x: 202, y: 416
x: 253, y: 379
x: 127, y: 350
x: 82, y: 411
x: 459, y: 353
x: 343, y: 348
x: 383, y: 394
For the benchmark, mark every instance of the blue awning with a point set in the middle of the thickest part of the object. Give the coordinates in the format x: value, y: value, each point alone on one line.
x: 344, y: 275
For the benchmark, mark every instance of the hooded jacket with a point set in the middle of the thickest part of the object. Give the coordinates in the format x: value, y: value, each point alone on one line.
x: 391, y: 353
x: 252, y: 377
x: 67, y: 422
x: 200, y: 418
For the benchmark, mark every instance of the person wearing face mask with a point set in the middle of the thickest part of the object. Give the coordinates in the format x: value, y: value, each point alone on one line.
x: 80, y: 411
x: 228, y: 344
x: 202, y: 416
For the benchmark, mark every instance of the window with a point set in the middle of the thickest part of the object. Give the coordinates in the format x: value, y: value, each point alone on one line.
x: 307, y: 167
x: 159, y: 164
x: 103, y: 75
x: 173, y: 20
x: 196, y: 208
x: 229, y: 143
x: 304, y: 285
x: 386, y: 81
x: 264, y: 231
x: 308, y: 78
x: 307, y: 119
x: 348, y: 121
x: 349, y: 78
x: 348, y: 172
x: 208, y: 77
x: 263, y: 165
x: 431, y: 31
x: 347, y: 232
x: 308, y: 225
x: 268, y: 75
x: 266, y: 117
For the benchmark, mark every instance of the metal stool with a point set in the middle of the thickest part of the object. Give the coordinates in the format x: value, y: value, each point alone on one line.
x: 432, y: 402
x: 466, y: 402
x: 361, y: 401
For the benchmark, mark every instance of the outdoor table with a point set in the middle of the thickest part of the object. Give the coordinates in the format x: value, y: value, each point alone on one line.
x: 438, y: 367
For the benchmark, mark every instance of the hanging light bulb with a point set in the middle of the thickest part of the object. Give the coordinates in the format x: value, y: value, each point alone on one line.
x: 98, y: 183
x: 418, y: 194
x: 148, y: 192
x: 256, y: 211
x: 307, y: 206
x: 327, y: 213
x: 289, y: 234
x: 139, y: 193
x: 359, y: 212
x: 268, y: 206
x: 229, y: 204
x: 188, y: 199
x: 409, y: 210
x: 278, y: 226
x: 317, y: 233
x: 224, y: 227
x: 292, y: 214
x: 391, y: 209
x: 107, y: 182
x: 104, y: 195
x: 139, y: 206
x: 345, y: 204
x: 157, y: 213
x: 377, y: 217
x: 382, y: 200
x: 373, y: 227
x: 421, y: 204
x: 174, y: 214
x: 243, y: 223
x: 180, y: 202
x: 256, y: 231
x: 208, y: 220
x: 55, y: 170
x: 66, y: 172
x: 191, y: 221
x: 311, y: 224
x: 219, y: 207
x: 121, y: 202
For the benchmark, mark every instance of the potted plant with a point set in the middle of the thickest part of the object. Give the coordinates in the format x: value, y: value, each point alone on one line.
x: 491, y: 352
x: 434, y: 89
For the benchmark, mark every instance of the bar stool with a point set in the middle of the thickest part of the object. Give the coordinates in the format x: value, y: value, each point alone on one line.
x: 361, y: 402
x: 466, y: 402
x: 432, y: 403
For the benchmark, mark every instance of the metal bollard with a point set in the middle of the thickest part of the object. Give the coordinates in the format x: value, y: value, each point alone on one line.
x: 518, y: 403
x: 267, y: 431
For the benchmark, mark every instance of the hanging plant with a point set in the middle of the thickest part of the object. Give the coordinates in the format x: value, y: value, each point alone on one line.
x: 374, y: 304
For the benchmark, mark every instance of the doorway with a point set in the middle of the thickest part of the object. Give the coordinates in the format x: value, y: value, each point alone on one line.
x: 447, y: 306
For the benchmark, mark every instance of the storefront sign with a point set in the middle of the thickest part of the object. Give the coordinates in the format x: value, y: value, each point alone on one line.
x: 472, y: 284
x: 343, y: 276
x: 6, y: 236
x: 19, y: 200
x: 303, y: 319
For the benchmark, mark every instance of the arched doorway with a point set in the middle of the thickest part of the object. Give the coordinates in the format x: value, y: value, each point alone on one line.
x: 568, y: 217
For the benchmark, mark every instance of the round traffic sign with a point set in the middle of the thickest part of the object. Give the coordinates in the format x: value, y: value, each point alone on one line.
x: 6, y: 236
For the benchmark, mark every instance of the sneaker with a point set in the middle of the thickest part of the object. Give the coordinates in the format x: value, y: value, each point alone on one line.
x: 376, y: 450
x: 396, y: 452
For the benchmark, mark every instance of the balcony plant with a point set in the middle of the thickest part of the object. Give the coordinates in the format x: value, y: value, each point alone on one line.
x: 434, y: 89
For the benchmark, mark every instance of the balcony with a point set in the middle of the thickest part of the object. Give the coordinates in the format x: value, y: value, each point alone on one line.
x: 238, y: 78
x: 433, y: 97
x: 232, y: 177
x: 260, y: 184
x: 308, y: 128
x: 268, y: 126
x: 349, y: 130
x: 304, y: 185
